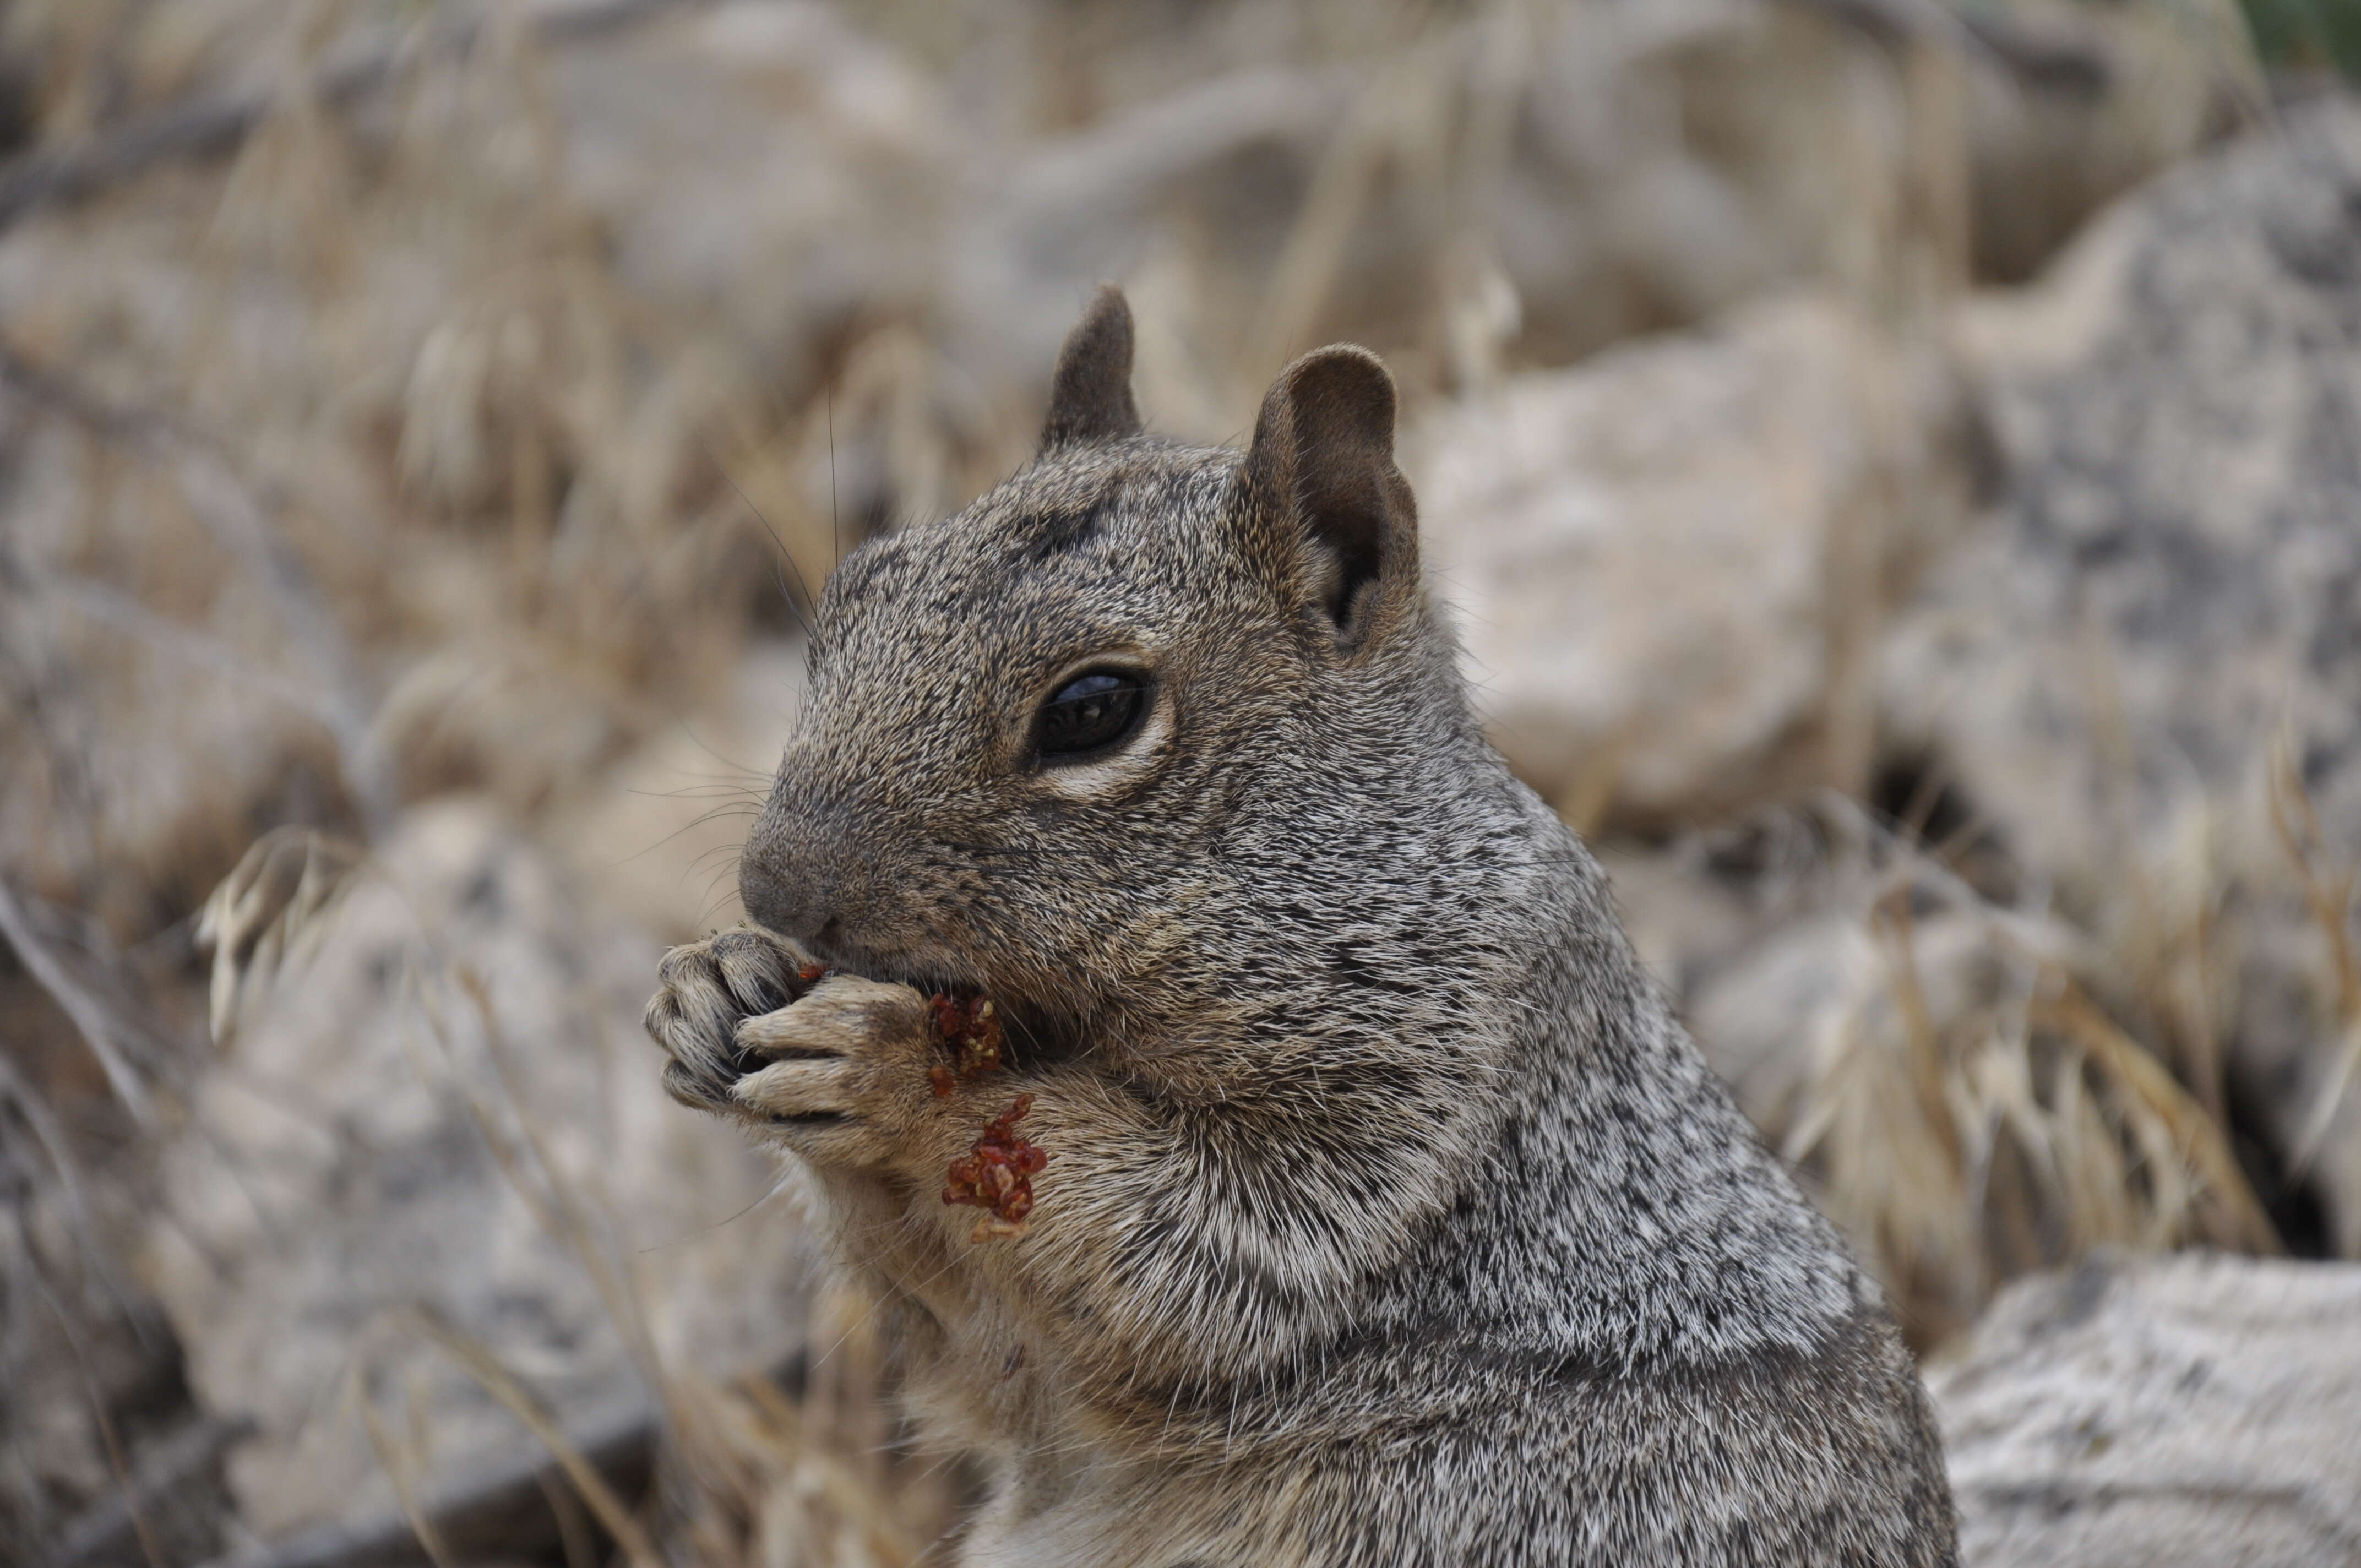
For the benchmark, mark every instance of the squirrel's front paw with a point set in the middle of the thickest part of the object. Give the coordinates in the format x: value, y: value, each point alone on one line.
x: 847, y: 1069
x: 709, y: 989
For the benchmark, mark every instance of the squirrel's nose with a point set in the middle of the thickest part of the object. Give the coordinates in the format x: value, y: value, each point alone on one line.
x: 777, y: 902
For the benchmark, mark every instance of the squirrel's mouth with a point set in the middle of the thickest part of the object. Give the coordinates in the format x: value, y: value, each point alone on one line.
x: 926, y: 972
x: 927, y: 968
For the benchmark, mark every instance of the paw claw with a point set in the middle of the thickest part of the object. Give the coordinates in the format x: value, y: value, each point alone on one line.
x: 707, y: 989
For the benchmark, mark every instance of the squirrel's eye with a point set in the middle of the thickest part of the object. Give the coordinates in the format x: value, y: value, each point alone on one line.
x: 1089, y: 713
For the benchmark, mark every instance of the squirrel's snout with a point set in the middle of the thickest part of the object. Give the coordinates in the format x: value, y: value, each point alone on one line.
x: 800, y: 878
x: 780, y: 903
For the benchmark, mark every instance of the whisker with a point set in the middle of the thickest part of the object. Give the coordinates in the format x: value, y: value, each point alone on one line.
x: 703, y: 818
x: 716, y: 906
x: 785, y: 553
x: 699, y: 864
x: 739, y: 794
x: 835, y: 538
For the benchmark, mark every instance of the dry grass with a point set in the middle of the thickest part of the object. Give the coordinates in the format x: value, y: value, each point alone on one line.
x: 749, y: 1473
x: 1967, y: 1111
x: 2327, y: 885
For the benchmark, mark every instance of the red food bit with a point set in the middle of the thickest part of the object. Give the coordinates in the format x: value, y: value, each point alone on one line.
x: 997, y: 1175
x: 942, y: 1079
x: 970, y: 1026
x: 810, y: 972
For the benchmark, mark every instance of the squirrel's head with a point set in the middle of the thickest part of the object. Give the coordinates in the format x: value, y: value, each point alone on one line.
x: 1067, y: 743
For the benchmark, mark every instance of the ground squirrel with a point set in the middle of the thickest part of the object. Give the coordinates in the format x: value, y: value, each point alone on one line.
x: 1389, y: 1216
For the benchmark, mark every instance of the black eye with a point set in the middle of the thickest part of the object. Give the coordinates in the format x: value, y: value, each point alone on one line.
x: 1089, y: 713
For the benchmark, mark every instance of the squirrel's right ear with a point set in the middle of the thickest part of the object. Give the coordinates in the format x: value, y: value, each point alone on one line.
x: 1090, y: 394
x: 1328, y: 520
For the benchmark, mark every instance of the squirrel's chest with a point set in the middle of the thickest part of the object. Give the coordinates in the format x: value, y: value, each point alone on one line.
x: 1113, y: 1511
x: 979, y: 1384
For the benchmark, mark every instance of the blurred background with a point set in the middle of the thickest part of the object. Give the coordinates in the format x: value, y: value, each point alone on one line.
x: 1897, y: 463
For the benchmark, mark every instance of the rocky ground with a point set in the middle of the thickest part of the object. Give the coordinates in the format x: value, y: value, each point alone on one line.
x: 2167, y: 1410
x: 1896, y: 467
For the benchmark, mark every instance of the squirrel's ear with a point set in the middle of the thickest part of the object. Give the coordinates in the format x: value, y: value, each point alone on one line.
x: 1327, y: 514
x: 1090, y: 394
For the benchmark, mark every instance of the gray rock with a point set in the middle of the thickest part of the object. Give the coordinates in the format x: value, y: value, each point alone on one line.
x: 1666, y: 558
x: 2178, y: 410
x: 2070, y: 105
x: 2150, y: 665
x: 2167, y: 1413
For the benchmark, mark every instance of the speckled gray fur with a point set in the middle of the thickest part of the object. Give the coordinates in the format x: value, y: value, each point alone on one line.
x: 1390, y: 1217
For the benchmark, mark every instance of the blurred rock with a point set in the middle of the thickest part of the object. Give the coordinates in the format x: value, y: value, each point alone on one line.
x: 370, y: 1165
x: 1781, y: 1010
x: 1556, y: 182
x: 2163, y: 1413
x: 1670, y: 562
x: 1685, y: 919
x: 2144, y: 673
x: 2175, y: 408
x: 563, y: 283
x: 2068, y: 105
x: 767, y: 163
x: 1669, y: 161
